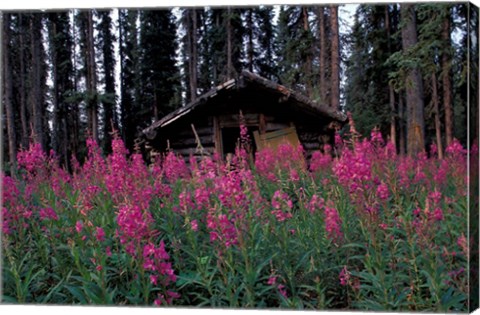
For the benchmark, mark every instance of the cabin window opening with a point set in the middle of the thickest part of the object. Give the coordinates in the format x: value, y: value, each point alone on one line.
x: 231, y: 138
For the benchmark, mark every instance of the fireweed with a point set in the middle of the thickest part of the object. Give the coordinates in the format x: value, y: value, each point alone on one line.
x: 354, y: 226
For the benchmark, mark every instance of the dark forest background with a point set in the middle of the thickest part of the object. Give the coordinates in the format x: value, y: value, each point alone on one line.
x: 410, y: 70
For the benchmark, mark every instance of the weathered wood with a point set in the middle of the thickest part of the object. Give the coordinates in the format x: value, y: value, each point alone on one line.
x: 193, y: 151
x: 191, y: 142
x: 299, y: 100
x: 258, y: 99
x: 217, y: 136
x: 270, y: 126
x: 275, y: 138
x: 187, y: 131
x: 261, y: 123
x: 233, y: 120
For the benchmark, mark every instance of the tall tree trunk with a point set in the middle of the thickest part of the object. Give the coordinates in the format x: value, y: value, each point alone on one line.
x: 22, y: 91
x: 121, y: 55
x: 216, y: 71
x: 436, y: 111
x: 250, y: 39
x: 193, y: 56
x: 230, y: 70
x: 8, y: 96
x: 308, y: 62
x: 391, y: 92
x: 91, y: 78
x: 187, y: 54
x: 413, y: 86
x: 447, y: 85
x: 55, y: 97
x: 36, y: 79
x: 335, y: 59
x: 109, y: 116
x: 322, y: 55
x: 74, y: 116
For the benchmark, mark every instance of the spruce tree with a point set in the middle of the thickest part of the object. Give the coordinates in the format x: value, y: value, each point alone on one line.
x: 106, y: 40
x: 128, y: 54
x: 61, y: 47
x: 157, y: 65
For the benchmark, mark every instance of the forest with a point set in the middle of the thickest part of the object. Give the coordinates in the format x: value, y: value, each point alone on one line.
x: 381, y: 218
x: 408, y: 70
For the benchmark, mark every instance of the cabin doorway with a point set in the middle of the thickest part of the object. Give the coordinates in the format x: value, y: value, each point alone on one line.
x: 231, y: 138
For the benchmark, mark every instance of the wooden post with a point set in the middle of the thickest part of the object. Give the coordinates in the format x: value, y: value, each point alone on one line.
x: 261, y: 123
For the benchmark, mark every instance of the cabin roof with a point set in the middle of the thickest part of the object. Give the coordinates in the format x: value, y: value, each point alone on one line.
x: 251, y: 79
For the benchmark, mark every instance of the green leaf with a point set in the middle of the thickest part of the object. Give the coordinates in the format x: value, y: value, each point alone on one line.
x: 77, y: 294
x: 55, y: 289
x: 9, y: 299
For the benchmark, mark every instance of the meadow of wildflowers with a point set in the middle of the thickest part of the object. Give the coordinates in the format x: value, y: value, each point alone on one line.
x: 356, y: 227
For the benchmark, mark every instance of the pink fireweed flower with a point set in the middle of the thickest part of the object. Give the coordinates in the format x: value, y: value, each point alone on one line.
x: 154, y: 279
x: 281, y: 199
x: 376, y: 138
x: 281, y: 216
x: 79, y: 226
x: 390, y: 152
x: 353, y: 169
x: 95, y: 164
x: 272, y: 280
x: 282, y: 206
x: 6, y: 222
x: 194, y: 225
x: 48, y: 213
x: 222, y: 229
x: 9, y: 190
x: 455, y: 149
x: 174, y: 167
x: 148, y: 249
x: 32, y: 159
x: 383, y: 192
x: 316, y: 203
x: 282, y: 290
x: 438, y: 214
x: 100, y: 234
x: 156, y: 260
x: 133, y: 225
x: 265, y: 161
x: 185, y: 201
x: 333, y: 224
x: 159, y: 300
x: 27, y: 214
x: 440, y: 176
x: 344, y: 276
x: 294, y: 175
x: 202, y: 197
x: 321, y: 161
x: 338, y: 140
x: 436, y: 197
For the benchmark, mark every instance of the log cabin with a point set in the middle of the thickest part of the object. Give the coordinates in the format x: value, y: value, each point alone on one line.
x: 272, y: 113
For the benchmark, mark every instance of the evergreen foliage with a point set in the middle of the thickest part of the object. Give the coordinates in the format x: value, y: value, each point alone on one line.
x: 65, y: 85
